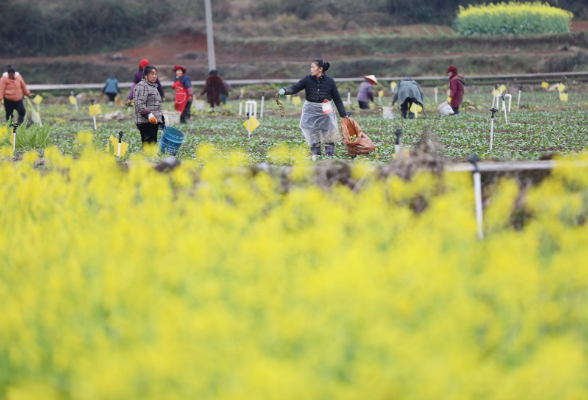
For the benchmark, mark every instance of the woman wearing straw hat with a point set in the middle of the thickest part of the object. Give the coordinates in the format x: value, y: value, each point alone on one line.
x: 184, y: 93
x: 366, y: 93
x: 318, y: 121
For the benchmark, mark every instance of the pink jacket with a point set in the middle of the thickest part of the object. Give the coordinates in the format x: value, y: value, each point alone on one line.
x: 13, y: 89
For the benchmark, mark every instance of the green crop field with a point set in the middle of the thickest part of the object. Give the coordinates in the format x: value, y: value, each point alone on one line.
x: 543, y: 124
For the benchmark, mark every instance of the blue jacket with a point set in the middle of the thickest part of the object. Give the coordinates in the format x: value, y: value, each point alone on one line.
x: 319, y: 90
x: 111, y: 86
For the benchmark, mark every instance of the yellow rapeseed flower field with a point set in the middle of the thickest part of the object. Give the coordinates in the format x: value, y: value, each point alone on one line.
x: 213, y: 283
x: 512, y: 19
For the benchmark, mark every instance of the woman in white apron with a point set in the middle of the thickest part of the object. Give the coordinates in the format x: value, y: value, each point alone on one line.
x: 318, y: 121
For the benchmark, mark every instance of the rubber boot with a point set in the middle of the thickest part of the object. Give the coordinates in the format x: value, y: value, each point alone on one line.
x: 316, y: 149
x: 330, y: 149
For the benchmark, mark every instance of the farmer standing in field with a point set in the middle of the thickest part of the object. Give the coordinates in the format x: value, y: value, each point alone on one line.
x: 148, y: 112
x: 111, y: 89
x: 12, y: 88
x: 139, y: 76
x: 407, y: 93
x: 214, y: 87
x: 366, y: 94
x: 184, y: 93
x: 456, y: 89
x: 318, y: 121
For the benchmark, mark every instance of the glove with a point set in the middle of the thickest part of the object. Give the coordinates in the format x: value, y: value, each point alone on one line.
x: 152, y: 119
x: 449, y: 100
x: 282, y: 92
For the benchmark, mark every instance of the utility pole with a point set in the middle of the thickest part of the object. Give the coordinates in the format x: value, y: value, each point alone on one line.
x: 209, y: 36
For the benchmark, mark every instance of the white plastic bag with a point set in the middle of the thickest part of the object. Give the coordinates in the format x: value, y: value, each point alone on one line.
x: 318, y: 127
x: 445, y: 109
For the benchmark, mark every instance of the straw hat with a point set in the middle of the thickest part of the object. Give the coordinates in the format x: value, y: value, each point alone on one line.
x: 371, y: 78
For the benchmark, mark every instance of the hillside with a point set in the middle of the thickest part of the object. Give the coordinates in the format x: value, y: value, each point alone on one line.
x: 66, y: 27
x: 417, y: 51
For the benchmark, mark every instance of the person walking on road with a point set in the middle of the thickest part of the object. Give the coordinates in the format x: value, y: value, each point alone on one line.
x: 456, y: 89
x: 184, y: 93
x: 148, y: 110
x: 366, y: 94
x: 214, y: 87
x: 13, y: 89
x: 407, y: 93
x: 139, y: 77
x: 111, y: 89
x: 318, y: 121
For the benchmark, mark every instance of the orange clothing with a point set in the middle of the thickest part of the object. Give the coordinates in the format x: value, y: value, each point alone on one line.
x: 13, y: 89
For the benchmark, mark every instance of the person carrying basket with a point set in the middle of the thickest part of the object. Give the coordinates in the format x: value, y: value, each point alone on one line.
x: 318, y: 121
x: 148, y: 110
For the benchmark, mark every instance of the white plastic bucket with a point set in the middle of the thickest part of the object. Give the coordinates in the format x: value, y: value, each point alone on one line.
x: 387, y: 112
x: 445, y: 109
x: 172, y: 117
x: 200, y: 105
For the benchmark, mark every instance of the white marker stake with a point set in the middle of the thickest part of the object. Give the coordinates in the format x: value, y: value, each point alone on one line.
x: 262, y: 101
x: 95, y: 126
x: 509, y: 100
x: 436, y: 102
x: 416, y: 111
x: 75, y: 100
x: 478, y: 195
x: 519, y: 101
x: 248, y: 126
x: 491, y: 133
x: 504, y: 109
x: 349, y: 96
x: 13, y: 140
x: 118, y: 152
x: 240, y: 104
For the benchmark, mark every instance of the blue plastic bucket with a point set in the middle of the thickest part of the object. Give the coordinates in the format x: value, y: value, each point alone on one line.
x: 171, y: 140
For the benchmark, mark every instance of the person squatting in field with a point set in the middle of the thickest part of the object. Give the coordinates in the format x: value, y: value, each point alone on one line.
x: 456, y: 89
x: 184, y: 93
x: 318, y: 121
x: 12, y: 90
x: 407, y: 93
x: 148, y: 111
x: 111, y: 89
x: 366, y: 93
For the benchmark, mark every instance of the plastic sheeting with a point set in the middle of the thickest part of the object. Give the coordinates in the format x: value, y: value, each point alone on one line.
x: 318, y: 127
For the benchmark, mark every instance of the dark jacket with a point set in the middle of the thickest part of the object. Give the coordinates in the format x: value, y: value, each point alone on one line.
x: 138, y: 78
x: 407, y: 89
x: 213, y: 87
x: 319, y: 90
x: 456, y: 84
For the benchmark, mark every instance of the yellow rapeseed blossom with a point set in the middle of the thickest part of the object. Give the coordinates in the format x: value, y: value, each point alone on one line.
x: 512, y: 18
x: 212, y: 282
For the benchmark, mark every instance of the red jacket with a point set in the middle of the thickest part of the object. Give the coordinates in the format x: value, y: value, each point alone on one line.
x: 456, y: 84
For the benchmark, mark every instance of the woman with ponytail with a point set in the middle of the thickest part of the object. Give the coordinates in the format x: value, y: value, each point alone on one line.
x: 318, y: 121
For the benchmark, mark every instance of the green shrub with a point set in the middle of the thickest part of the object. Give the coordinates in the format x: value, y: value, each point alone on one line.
x: 512, y: 19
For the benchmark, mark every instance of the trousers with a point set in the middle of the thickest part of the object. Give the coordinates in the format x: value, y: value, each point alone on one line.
x: 10, y: 106
x: 148, y: 132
